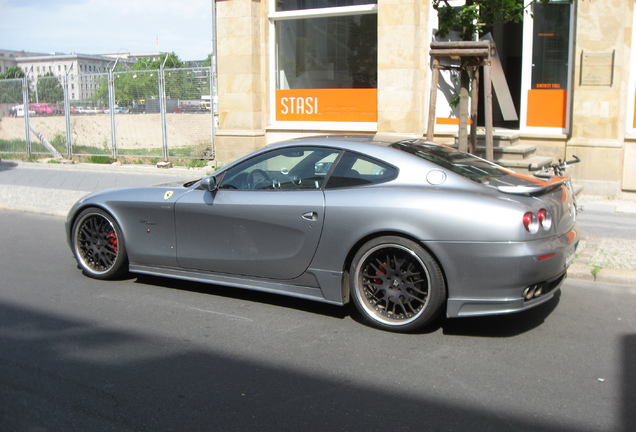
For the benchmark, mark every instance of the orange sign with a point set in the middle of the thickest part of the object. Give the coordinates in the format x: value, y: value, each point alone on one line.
x: 334, y: 105
x: 547, y: 108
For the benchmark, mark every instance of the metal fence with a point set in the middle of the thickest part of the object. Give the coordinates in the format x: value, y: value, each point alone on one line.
x: 159, y: 114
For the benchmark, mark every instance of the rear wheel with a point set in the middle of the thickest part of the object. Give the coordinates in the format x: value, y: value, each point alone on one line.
x: 396, y: 285
x: 98, y: 245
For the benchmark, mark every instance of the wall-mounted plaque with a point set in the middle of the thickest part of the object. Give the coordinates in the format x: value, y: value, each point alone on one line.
x: 597, y: 69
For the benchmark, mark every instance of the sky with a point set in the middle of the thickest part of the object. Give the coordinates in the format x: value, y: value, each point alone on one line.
x: 107, y: 26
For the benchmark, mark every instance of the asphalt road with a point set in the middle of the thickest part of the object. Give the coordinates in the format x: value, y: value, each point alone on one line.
x: 596, y: 221
x: 150, y: 354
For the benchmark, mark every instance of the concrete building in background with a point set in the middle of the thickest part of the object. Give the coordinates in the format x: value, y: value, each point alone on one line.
x: 83, y: 70
x: 288, y: 68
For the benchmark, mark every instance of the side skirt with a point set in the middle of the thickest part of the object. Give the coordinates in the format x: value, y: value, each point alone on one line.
x: 269, y: 286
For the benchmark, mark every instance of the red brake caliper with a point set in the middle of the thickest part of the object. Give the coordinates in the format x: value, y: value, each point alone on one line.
x: 381, y: 270
x: 112, y: 239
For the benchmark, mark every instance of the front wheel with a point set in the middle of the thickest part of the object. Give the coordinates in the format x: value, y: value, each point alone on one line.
x: 98, y: 245
x: 396, y: 285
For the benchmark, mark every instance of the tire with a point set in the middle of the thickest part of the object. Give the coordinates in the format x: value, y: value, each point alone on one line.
x: 98, y: 245
x: 396, y: 285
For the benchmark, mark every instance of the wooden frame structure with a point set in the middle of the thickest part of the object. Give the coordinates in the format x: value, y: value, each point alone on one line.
x: 472, y: 55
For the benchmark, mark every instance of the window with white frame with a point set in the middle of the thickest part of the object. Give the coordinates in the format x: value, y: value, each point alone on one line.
x: 326, y: 44
x: 322, y: 48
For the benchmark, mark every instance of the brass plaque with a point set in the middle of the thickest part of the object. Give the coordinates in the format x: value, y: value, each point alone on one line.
x: 597, y: 69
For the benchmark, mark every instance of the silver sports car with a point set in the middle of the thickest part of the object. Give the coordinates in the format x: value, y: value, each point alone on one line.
x: 405, y: 230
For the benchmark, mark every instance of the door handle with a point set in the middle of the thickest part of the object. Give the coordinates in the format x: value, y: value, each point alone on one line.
x: 311, y: 216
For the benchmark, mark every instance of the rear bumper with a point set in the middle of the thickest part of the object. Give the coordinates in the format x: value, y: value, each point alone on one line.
x: 491, y: 278
x: 477, y: 307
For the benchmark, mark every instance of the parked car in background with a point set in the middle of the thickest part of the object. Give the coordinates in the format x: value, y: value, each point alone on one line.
x: 44, y: 108
x: 405, y: 230
x: 116, y: 110
x: 190, y: 109
x: 18, y: 111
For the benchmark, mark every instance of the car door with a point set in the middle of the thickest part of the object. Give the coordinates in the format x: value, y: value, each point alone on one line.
x: 265, y: 219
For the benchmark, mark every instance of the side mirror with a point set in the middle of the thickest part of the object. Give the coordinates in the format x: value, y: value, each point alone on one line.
x: 209, y: 183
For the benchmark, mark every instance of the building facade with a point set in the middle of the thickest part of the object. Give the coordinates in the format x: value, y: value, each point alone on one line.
x: 82, y: 70
x: 563, y: 79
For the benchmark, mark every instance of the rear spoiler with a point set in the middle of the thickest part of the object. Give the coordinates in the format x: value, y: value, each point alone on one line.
x: 537, y: 189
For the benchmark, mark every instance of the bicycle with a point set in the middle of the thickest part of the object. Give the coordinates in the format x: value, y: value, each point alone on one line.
x: 558, y: 170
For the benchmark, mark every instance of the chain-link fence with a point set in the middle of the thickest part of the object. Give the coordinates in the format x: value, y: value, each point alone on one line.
x: 158, y: 114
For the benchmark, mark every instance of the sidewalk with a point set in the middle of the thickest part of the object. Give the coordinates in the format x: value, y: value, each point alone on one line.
x: 53, y: 188
x: 608, y: 260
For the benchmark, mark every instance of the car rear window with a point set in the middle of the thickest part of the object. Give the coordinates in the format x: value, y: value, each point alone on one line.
x: 465, y: 164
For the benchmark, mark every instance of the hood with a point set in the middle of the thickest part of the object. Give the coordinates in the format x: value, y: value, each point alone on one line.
x: 178, y: 183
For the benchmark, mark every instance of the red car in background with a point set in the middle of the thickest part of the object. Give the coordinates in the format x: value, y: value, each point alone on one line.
x: 43, y: 108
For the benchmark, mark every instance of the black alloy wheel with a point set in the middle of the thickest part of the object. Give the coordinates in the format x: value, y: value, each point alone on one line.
x: 396, y: 285
x: 98, y: 245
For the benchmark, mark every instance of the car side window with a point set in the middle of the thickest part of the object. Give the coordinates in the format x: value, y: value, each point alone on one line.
x: 357, y: 170
x: 283, y: 169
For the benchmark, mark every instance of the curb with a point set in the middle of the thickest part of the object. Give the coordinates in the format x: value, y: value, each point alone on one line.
x: 113, y: 168
x: 617, y: 276
x: 590, y: 263
x: 583, y: 271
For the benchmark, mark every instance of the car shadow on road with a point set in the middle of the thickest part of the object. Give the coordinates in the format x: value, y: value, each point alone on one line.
x: 63, y: 373
x: 628, y: 348
x: 309, y: 306
x: 499, y: 326
x: 5, y: 166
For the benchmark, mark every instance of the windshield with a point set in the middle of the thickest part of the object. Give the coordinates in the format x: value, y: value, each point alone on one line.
x: 465, y: 164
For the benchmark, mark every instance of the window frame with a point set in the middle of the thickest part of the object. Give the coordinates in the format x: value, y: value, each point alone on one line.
x: 274, y: 17
x: 344, y: 160
x: 526, y: 77
x: 342, y: 163
x: 252, y: 163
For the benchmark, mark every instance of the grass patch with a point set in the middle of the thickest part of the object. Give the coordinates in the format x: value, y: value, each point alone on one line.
x: 190, y: 156
x: 21, y: 157
x: 59, y: 142
x: 139, y: 160
x: 152, y: 152
x: 101, y: 160
x: 197, y: 163
x: 12, y: 146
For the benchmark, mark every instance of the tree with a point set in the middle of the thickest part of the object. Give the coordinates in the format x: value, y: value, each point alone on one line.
x: 140, y: 81
x: 47, y: 88
x: 167, y: 60
x: 477, y: 14
x: 208, y: 61
x: 11, y: 73
x: 471, y: 19
x: 11, y: 86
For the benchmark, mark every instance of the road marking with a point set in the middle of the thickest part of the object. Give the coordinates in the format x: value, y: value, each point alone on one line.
x: 219, y: 313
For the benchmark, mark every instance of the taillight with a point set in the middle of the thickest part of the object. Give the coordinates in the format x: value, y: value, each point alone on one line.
x: 532, y: 222
x: 544, y: 219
